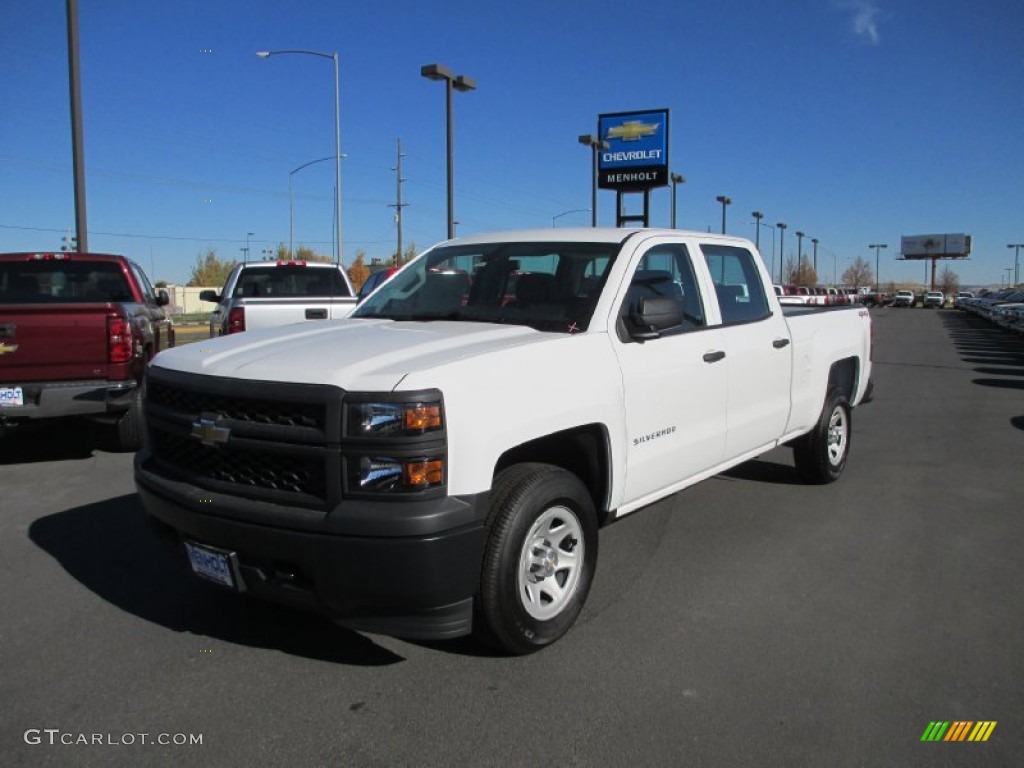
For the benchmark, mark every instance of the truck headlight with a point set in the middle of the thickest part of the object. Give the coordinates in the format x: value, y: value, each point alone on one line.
x: 382, y: 474
x: 398, y: 419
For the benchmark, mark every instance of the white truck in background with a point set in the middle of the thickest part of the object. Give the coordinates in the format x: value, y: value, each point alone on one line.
x: 263, y: 294
x: 440, y: 462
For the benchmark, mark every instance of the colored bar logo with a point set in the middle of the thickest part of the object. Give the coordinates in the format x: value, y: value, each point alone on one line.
x: 958, y: 730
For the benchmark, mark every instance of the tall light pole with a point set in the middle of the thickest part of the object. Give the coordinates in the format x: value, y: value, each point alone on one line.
x: 815, y: 241
x: 675, y: 178
x: 782, y: 251
x: 757, y: 232
x: 291, y: 203
x: 759, y: 223
x: 1016, y: 261
x: 800, y: 254
x: 596, y: 145
x: 458, y: 83
x: 878, y: 278
x: 337, y: 132
x: 245, y: 258
x: 724, y: 200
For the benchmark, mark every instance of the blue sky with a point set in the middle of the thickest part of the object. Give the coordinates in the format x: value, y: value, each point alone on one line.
x: 854, y: 121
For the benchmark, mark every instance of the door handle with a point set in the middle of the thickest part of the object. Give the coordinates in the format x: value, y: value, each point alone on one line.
x: 713, y: 357
x: 780, y: 343
x: 316, y: 314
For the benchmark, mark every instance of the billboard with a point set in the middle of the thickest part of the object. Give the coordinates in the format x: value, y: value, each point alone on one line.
x: 637, y: 153
x: 950, y: 246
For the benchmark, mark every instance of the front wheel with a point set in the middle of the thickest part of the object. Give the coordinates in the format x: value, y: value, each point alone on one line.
x: 540, y: 557
x: 820, y: 455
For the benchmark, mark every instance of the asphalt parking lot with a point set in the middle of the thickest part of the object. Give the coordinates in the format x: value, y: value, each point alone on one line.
x: 749, y: 620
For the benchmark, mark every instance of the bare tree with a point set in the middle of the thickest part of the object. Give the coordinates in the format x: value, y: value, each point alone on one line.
x: 859, y: 273
x: 949, y: 281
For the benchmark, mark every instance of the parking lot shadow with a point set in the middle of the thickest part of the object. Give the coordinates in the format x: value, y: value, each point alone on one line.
x: 108, y: 548
x: 56, y: 440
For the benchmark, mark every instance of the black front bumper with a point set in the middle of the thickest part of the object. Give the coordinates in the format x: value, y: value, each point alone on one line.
x: 408, y: 569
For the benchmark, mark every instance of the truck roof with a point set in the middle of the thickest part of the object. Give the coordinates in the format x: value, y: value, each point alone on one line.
x: 588, y: 235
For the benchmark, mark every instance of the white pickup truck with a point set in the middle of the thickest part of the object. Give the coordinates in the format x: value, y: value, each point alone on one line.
x: 441, y: 461
x: 262, y: 294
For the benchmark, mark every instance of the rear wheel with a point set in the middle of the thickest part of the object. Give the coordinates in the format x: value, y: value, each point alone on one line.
x: 820, y: 455
x: 131, y: 426
x: 539, y: 560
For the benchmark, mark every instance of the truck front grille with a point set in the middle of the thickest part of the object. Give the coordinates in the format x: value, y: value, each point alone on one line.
x: 269, y: 441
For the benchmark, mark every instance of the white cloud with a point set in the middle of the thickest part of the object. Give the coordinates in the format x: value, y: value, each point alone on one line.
x: 865, y: 19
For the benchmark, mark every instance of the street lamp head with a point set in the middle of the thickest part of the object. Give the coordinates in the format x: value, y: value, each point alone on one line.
x: 263, y: 54
x: 677, y: 178
x: 780, y: 224
x: 436, y: 72
x: 814, y: 240
x: 464, y: 83
x: 798, y: 233
x: 757, y: 215
x: 724, y: 199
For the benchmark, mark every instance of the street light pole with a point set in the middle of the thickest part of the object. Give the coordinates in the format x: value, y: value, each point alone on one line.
x: 815, y: 241
x: 337, y: 132
x: 566, y: 213
x: 782, y: 251
x: 724, y: 200
x: 757, y: 232
x: 291, y: 203
x: 676, y: 178
x: 800, y: 254
x: 596, y: 145
x: 1016, y: 261
x: 458, y: 83
x: 245, y: 258
x: 878, y: 278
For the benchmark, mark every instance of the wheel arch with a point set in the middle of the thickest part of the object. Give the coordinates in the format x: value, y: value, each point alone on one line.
x: 844, y: 375
x: 584, y: 450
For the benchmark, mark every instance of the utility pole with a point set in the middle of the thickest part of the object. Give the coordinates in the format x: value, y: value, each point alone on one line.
x: 398, y: 205
x: 77, y: 143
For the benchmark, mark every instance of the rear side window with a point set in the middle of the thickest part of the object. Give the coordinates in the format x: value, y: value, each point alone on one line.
x: 737, y: 282
x: 289, y: 282
x: 62, y: 281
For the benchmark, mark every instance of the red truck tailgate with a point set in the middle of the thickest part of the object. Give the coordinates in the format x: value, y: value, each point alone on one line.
x: 53, y: 342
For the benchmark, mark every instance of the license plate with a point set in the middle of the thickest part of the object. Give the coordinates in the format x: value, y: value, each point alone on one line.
x: 11, y: 396
x: 213, y: 564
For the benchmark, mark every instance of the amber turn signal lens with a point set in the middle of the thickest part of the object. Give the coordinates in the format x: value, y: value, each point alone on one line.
x: 423, y: 474
x: 422, y: 417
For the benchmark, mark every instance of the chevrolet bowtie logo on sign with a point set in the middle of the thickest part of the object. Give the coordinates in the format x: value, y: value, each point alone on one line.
x: 208, y: 432
x: 636, y: 156
x: 958, y: 730
x: 633, y: 130
x: 5, y: 347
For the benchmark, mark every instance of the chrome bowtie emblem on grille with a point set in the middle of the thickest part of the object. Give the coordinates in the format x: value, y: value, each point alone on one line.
x: 208, y: 432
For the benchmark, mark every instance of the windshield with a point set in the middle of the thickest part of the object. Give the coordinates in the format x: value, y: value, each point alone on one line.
x: 547, y: 286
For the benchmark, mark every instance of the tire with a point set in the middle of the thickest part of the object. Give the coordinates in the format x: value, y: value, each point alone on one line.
x: 539, y: 560
x: 131, y: 426
x: 821, y: 454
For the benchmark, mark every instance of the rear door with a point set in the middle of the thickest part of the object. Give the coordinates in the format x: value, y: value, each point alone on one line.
x: 757, y: 346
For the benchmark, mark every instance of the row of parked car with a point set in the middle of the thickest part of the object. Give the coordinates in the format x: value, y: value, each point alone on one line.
x: 818, y: 295
x: 1004, y: 308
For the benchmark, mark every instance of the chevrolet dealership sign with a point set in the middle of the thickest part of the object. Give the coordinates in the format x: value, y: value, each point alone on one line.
x: 637, y: 153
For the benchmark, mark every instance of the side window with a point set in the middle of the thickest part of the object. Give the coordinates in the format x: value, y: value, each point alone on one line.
x: 737, y: 282
x: 144, y: 285
x: 664, y: 271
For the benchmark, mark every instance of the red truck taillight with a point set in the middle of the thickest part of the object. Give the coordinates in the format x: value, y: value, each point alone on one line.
x: 119, y: 338
x: 236, y: 320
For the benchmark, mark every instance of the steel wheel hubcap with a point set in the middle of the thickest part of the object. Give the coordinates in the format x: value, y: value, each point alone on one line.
x: 837, y: 435
x: 550, y: 562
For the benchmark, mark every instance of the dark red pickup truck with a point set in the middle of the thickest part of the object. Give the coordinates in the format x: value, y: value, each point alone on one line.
x: 76, y: 333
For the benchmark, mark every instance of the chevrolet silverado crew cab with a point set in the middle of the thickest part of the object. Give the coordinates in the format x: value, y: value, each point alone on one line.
x: 76, y: 333
x: 441, y: 461
x: 262, y: 294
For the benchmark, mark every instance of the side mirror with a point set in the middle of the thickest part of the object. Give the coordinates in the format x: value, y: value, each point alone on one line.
x: 162, y: 299
x: 209, y: 295
x: 654, y: 315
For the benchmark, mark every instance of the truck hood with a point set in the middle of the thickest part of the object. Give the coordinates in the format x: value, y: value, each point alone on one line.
x: 352, y: 354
